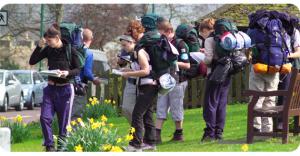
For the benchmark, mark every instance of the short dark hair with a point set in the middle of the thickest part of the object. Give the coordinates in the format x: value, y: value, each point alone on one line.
x: 53, y: 31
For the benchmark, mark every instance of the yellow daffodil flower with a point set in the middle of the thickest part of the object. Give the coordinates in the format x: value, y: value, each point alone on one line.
x: 69, y: 128
x: 78, y: 148
x: 73, y: 123
x: 132, y: 130
x: 103, y: 118
x: 128, y: 137
x: 116, y: 149
x: 245, y: 147
x: 119, y: 140
x: 106, y: 147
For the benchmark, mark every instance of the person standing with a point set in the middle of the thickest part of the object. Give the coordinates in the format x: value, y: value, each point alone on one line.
x: 86, y: 74
x: 59, y: 94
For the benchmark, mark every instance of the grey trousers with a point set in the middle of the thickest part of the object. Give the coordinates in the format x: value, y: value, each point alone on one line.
x: 78, y: 107
x: 129, y: 100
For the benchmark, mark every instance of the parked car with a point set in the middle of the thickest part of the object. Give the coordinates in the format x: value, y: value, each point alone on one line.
x: 11, y: 93
x: 32, y: 85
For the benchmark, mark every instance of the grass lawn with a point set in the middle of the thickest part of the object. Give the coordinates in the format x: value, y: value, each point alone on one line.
x: 234, y: 135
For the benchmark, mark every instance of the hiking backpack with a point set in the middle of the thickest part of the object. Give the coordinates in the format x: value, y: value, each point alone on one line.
x: 231, y: 43
x: 270, y: 39
x: 162, y: 57
x: 72, y: 33
x: 187, y: 35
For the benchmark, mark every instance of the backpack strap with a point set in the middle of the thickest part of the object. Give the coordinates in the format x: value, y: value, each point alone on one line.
x: 69, y: 54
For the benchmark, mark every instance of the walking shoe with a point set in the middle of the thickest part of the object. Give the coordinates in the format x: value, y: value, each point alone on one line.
x: 131, y: 148
x: 50, y: 149
x: 146, y: 146
x: 158, y: 136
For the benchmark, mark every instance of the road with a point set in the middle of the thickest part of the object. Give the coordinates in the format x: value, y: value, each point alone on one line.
x: 28, y: 115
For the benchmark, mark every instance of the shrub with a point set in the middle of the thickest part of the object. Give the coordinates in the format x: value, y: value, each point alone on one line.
x: 95, y: 136
x: 19, y: 130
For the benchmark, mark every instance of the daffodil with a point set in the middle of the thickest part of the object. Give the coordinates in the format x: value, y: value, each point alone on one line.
x: 18, y: 118
x: 245, y: 147
x: 78, y: 148
x: 103, y: 118
x: 132, y: 130
x: 111, y: 125
x: 73, y: 123
x: 24, y: 125
x: 91, y: 120
x: 119, y: 140
x: 106, y: 147
x: 105, y: 130
x: 3, y: 118
x: 96, y: 125
x: 128, y: 137
x: 79, y: 119
x: 105, y: 101
x: 69, y: 128
x: 116, y: 149
x: 90, y: 99
x: 114, y: 102
x: 109, y: 101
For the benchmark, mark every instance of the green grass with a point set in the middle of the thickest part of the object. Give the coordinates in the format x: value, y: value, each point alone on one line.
x: 234, y: 135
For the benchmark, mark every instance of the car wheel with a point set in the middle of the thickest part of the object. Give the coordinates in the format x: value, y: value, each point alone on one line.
x: 21, y: 105
x: 31, y: 103
x: 4, y: 108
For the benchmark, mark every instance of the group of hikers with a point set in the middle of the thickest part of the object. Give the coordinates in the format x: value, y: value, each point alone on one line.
x: 158, y: 60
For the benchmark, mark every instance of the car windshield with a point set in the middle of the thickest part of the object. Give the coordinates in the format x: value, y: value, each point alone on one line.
x: 1, y: 77
x: 24, y: 78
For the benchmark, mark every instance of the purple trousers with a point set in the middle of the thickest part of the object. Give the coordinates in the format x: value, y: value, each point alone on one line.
x: 214, y: 109
x: 59, y: 100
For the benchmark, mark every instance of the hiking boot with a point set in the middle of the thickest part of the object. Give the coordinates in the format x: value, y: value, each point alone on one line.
x: 50, y: 149
x: 158, y: 136
x: 131, y: 148
x: 146, y: 146
x: 207, y: 136
x: 177, y: 137
x: 219, y: 134
x: 256, y: 129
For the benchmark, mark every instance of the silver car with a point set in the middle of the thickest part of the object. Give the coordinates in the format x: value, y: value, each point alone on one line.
x: 11, y: 93
x: 32, y: 85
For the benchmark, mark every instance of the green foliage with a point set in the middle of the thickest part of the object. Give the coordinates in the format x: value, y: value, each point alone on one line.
x: 94, y: 109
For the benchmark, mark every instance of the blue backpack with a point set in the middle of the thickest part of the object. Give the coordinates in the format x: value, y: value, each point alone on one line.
x: 270, y: 39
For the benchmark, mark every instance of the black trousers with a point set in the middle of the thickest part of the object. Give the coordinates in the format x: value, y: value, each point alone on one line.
x: 142, y: 116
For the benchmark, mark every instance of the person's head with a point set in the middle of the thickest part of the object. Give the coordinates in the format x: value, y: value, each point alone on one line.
x: 135, y: 30
x: 206, y: 27
x: 87, y: 36
x: 149, y: 21
x: 127, y: 43
x: 166, y: 29
x: 53, y: 36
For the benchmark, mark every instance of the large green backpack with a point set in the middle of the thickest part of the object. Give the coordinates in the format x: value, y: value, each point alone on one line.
x: 159, y: 51
x: 72, y: 33
x: 220, y: 26
x: 189, y: 35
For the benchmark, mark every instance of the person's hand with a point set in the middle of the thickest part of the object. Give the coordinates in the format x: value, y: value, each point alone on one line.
x: 42, y: 43
x: 125, y: 75
x: 202, y: 50
x: 63, y: 73
x: 96, y: 81
x: 126, y: 70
